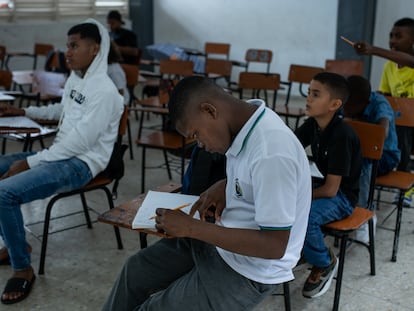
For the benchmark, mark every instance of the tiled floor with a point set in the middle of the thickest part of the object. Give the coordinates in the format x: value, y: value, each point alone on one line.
x: 81, y: 264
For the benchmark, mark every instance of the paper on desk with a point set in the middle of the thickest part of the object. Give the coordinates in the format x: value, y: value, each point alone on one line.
x: 314, y: 170
x: 19, y: 122
x: 23, y: 122
x: 156, y: 199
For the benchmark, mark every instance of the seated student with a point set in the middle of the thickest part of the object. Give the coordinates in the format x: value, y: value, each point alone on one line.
x: 373, y: 107
x: 90, y: 111
x: 261, y: 212
x: 397, y: 80
x: 337, y: 154
x: 125, y: 39
x: 116, y: 73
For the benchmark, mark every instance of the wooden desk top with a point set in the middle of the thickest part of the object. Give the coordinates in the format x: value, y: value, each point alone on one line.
x: 124, y: 214
x: 6, y: 97
x: 5, y: 130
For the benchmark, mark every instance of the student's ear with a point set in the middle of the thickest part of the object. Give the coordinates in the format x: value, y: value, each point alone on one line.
x: 335, y: 104
x: 209, y: 108
x: 95, y: 48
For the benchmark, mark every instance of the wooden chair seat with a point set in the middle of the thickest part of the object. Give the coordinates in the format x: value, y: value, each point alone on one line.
x: 396, y: 179
x: 354, y: 221
x: 98, y: 181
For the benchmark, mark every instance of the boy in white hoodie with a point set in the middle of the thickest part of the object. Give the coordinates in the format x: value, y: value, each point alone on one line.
x: 89, y: 116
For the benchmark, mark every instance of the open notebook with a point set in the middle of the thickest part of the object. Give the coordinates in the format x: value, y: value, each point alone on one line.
x: 155, y: 199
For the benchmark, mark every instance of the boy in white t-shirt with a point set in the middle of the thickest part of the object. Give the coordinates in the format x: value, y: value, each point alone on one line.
x: 261, y: 212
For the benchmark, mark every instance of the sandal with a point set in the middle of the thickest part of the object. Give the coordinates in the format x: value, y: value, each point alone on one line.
x: 17, y: 285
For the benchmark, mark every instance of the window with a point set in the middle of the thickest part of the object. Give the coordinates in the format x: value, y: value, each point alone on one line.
x: 56, y: 9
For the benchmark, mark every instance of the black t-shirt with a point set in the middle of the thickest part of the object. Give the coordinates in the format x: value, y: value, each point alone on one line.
x: 125, y: 37
x: 336, y: 151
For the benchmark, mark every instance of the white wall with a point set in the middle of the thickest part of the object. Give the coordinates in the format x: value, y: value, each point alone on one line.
x: 388, y: 12
x: 22, y: 35
x: 296, y: 31
x: 301, y: 32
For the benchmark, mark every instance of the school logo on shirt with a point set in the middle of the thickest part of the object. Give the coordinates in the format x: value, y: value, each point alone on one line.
x: 238, y: 188
x: 77, y: 97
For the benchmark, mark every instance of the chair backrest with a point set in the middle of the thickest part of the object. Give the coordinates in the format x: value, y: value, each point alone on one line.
x: 218, y: 66
x: 371, y: 137
x: 303, y: 74
x: 42, y: 49
x: 403, y: 109
x: 5, y: 79
x: 258, y: 56
x: 131, y: 74
x: 259, y: 81
x: 217, y: 48
x: 176, y: 68
x: 345, y: 67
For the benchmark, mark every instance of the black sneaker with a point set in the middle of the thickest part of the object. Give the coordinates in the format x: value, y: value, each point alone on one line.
x: 320, y: 279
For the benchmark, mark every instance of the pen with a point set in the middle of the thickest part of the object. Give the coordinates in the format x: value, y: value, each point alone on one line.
x: 175, y: 209
x: 347, y: 40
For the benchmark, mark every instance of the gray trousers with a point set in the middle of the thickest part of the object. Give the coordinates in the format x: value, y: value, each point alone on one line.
x: 183, y: 274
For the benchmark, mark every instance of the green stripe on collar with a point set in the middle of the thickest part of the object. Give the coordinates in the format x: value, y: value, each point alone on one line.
x: 251, y: 129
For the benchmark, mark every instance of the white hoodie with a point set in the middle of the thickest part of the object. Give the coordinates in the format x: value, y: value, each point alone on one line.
x: 91, y: 107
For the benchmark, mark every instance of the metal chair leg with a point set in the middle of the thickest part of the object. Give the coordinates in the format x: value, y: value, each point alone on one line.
x: 286, y: 296
x: 342, y: 252
x: 397, y: 227
x: 86, y: 210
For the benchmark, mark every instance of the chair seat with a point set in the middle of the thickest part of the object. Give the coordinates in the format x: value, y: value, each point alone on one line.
x: 396, y: 179
x: 359, y: 217
x: 98, y: 181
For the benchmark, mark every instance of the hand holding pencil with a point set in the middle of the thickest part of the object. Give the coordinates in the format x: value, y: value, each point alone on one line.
x: 361, y: 48
x: 174, y: 209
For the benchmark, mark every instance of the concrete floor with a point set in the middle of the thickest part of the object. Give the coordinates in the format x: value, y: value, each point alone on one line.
x: 82, y: 264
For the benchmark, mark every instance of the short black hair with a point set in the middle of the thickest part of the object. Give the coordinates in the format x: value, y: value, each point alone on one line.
x: 86, y: 31
x: 336, y: 84
x: 359, y: 95
x: 114, y: 14
x: 191, y: 90
x: 405, y: 22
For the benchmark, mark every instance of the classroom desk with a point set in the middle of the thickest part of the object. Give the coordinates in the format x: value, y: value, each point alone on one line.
x: 8, y: 130
x: 124, y: 214
x: 24, y: 79
x: 13, y: 127
x: 4, y: 97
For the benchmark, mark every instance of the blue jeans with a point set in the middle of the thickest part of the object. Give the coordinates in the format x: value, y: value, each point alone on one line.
x: 323, y: 211
x: 385, y: 165
x: 36, y: 183
x: 183, y: 274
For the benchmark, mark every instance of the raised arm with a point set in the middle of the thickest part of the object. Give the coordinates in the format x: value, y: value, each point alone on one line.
x: 401, y: 58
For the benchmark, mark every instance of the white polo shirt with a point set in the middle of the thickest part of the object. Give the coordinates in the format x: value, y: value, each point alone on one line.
x: 268, y: 188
